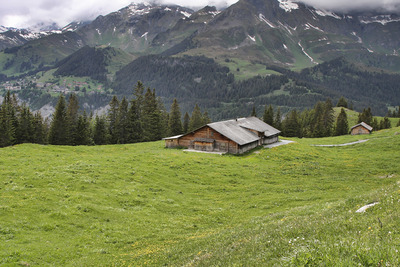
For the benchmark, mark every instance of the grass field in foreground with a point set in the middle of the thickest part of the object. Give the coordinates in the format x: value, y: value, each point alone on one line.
x: 142, y: 204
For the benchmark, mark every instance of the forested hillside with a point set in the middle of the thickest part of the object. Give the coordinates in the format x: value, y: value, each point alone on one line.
x: 201, y: 80
x: 368, y: 88
x: 88, y: 62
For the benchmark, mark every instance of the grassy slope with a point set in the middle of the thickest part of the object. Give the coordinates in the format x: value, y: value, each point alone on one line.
x: 142, y: 204
x: 244, y: 70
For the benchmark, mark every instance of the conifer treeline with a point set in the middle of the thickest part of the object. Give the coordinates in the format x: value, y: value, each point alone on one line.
x: 143, y: 118
x: 316, y: 122
x: 19, y: 125
x: 319, y: 121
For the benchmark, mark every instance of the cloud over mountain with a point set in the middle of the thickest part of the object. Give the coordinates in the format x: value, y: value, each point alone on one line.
x: 355, y: 5
x: 26, y: 13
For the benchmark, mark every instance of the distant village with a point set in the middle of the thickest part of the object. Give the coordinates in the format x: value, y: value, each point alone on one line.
x: 65, y: 88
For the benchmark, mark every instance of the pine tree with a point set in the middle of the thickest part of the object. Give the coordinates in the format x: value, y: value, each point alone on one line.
x: 342, y: 126
x: 253, y: 112
x: 100, y: 131
x: 8, y: 121
x: 122, y: 123
x: 306, y: 119
x: 342, y: 102
x: 83, y: 130
x: 375, y: 124
x: 186, y: 120
x: 278, y: 120
x: 39, y: 129
x: 366, y: 116
x: 174, y: 123
x: 196, y: 120
x: 268, y: 117
x: 7, y: 129
x: 317, y: 123
x: 206, y: 118
x: 164, y: 117
x: 25, y: 131
x: 112, y: 119
x: 151, y: 119
x: 135, y: 125
x: 58, y: 134
x: 328, y: 118
x: 291, y: 125
x: 72, y: 119
x: 138, y: 94
x: 385, y: 123
x: 135, y: 115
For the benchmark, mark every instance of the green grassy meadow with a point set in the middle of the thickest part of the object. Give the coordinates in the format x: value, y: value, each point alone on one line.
x: 143, y: 204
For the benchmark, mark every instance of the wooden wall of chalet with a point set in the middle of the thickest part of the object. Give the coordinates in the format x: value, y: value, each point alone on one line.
x: 221, y: 144
x: 247, y: 147
x: 172, y: 143
x: 359, y: 130
x: 270, y: 140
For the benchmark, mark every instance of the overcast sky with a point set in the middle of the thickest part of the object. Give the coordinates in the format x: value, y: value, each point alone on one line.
x: 26, y: 13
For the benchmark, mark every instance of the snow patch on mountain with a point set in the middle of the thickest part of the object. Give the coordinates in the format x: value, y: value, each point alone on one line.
x: 308, y: 26
x: 305, y: 53
x: 140, y: 9
x: 144, y: 35
x: 358, y: 37
x: 287, y: 28
x: 186, y: 14
x: 72, y: 27
x: 262, y: 18
x: 324, y: 13
x: 383, y: 19
x: 288, y: 5
x: 3, y: 29
x: 214, y: 13
x: 253, y: 38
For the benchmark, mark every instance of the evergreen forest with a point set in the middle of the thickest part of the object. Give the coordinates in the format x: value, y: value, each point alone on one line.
x: 144, y: 117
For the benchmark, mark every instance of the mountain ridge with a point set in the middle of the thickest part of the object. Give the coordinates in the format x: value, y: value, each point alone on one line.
x: 250, y: 37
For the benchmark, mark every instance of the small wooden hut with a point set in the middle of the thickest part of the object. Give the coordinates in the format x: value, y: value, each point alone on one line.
x: 361, y: 128
x: 232, y: 136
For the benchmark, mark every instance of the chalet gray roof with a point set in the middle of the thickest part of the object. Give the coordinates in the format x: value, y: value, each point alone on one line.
x: 363, y: 124
x: 173, y: 137
x: 254, y: 123
x: 233, y: 131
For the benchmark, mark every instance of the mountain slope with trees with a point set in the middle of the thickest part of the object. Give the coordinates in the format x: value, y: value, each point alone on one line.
x: 179, y: 51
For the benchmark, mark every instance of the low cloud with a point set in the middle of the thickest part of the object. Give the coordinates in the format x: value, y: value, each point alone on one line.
x: 355, y: 5
x: 27, y: 13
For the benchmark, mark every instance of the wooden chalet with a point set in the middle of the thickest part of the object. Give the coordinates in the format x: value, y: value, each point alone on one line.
x: 361, y: 128
x: 232, y: 136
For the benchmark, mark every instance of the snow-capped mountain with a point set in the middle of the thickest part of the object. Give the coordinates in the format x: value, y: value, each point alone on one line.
x: 281, y: 33
x: 134, y: 27
x: 10, y: 37
x: 291, y: 34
